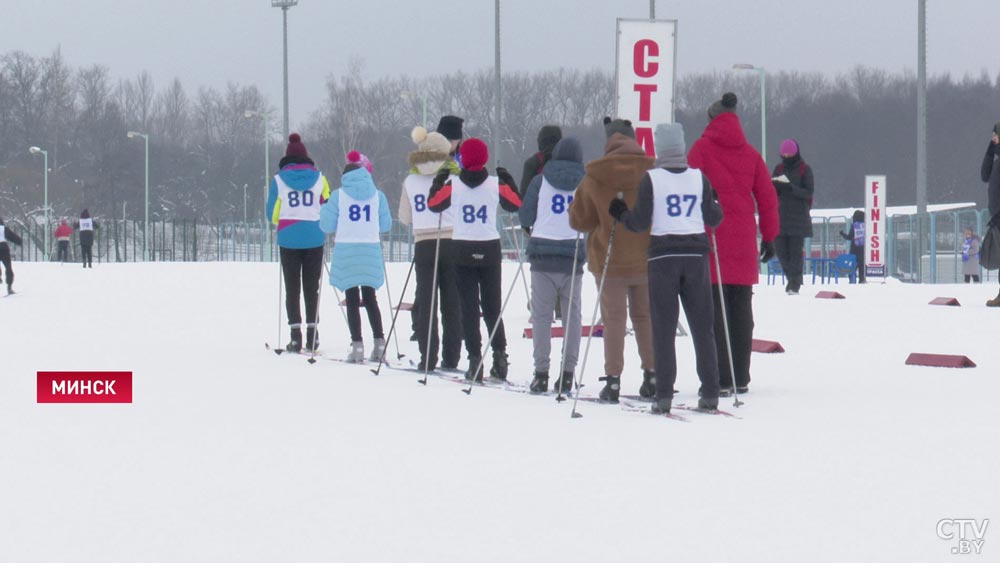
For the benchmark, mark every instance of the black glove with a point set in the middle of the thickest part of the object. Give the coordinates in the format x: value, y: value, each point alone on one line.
x: 783, y: 187
x: 617, y: 208
x: 505, y: 177
x: 441, y: 178
x: 766, y: 251
x: 991, y: 148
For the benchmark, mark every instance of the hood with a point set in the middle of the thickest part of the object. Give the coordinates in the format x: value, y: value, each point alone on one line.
x: 299, y: 176
x: 563, y: 174
x: 432, y: 167
x: 358, y: 184
x: 623, y: 158
x: 725, y: 130
x: 548, y: 136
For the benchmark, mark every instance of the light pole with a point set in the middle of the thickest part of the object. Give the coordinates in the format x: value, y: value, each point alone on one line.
x: 244, y: 204
x: 407, y: 95
x: 763, y: 104
x: 285, y: 5
x: 45, y: 233
x: 145, y: 227
x: 499, y: 88
x: 267, y: 163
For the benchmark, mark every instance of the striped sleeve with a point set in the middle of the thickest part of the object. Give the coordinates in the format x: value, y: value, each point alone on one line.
x: 509, y: 198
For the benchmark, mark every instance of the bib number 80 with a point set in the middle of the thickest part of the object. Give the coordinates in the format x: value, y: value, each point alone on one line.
x: 295, y: 199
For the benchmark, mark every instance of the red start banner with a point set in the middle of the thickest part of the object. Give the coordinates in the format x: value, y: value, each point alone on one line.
x: 84, y: 387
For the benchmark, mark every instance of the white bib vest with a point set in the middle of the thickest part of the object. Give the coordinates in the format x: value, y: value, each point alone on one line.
x: 677, y: 202
x: 418, y: 190
x: 87, y: 224
x: 302, y: 205
x: 475, y: 209
x: 552, y: 221
x: 358, y: 219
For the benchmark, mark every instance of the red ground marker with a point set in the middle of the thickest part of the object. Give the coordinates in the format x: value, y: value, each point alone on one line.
x: 829, y: 295
x: 950, y: 301
x: 939, y: 360
x: 767, y: 346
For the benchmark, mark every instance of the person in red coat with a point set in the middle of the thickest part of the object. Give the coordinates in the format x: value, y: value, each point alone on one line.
x: 740, y: 177
x: 63, y: 234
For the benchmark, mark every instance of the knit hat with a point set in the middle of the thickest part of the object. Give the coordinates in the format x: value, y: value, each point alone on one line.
x: 548, y: 136
x: 359, y: 160
x: 726, y: 105
x: 85, y: 214
x: 569, y: 149
x: 669, y: 139
x: 475, y: 154
x: 623, y: 126
x: 432, y: 142
x: 295, y: 146
x: 788, y: 148
x: 451, y: 127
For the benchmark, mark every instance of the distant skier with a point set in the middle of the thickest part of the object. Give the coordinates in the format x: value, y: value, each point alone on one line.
x: 294, y: 198
x: 356, y: 214
x: 62, y: 235
x: 675, y: 204
x: 7, y: 235
x: 970, y: 256
x: 856, y: 234
x: 87, y: 226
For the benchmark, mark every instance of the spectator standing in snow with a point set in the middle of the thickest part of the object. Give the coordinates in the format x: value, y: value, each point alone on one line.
x: 62, y: 235
x: 7, y: 235
x: 294, y: 198
x: 856, y: 235
x: 551, y: 249
x: 793, y: 181
x: 741, y: 180
x: 357, y: 214
x: 990, y: 172
x: 970, y: 256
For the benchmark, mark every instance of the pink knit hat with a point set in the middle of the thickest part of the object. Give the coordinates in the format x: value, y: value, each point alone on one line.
x: 788, y: 148
x: 355, y: 157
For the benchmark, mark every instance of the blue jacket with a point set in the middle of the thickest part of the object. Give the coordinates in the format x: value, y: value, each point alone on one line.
x: 356, y: 263
x: 299, y: 175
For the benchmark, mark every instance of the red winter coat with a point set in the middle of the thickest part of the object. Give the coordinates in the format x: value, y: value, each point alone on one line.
x: 740, y: 176
x: 64, y: 231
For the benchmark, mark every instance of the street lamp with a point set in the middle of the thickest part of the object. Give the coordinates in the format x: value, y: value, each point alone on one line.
x: 407, y: 95
x: 267, y: 161
x: 285, y: 5
x: 145, y: 228
x: 36, y: 150
x: 763, y: 104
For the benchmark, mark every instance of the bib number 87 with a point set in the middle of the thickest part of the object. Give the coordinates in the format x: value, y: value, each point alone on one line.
x: 470, y: 214
x: 674, y: 208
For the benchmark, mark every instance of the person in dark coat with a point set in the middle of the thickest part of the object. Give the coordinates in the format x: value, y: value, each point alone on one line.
x: 793, y: 181
x: 7, y: 235
x: 548, y: 136
x: 856, y: 234
x: 87, y: 226
x: 990, y: 172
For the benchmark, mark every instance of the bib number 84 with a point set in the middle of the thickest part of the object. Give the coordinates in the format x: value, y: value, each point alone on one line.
x: 470, y: 214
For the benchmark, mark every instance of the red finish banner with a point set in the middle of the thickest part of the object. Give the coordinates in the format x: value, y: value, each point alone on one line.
x: 84, y: 387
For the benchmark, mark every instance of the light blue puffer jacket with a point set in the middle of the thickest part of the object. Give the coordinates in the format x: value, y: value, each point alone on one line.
x: 356, y: 264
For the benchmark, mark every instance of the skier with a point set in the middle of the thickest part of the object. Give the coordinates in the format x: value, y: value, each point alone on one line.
x: 62, y: 235
x: 7, y: 235
x: 294, y: 198
x: 430, y: 158
x: 356, y: 214
x: 474, y: 194
x: 856, y: 234
x: 626, y: 287
x: 990, y: 172
x: 548, y: 136
x: 553, y: 250
x: 793, y: 181
x: 87, y: 226
x: 970, y: 256
x: 741, y: 180
x: 675, y: 203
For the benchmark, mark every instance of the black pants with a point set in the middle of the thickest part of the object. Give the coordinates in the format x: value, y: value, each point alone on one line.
x: 477, y: 271
x: 685, y: 277
x: 302, y: 268
x: 739, y: 311
x: 355, y: 297
x: 859, y: 256
x: 447, y: 302
x: 87, y: 255
x: 63, y: 250
x: 789, y: 251
x: 5, y: 260
x: 972, y: 278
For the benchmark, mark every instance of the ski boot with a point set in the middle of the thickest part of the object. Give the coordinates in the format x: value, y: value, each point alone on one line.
x: 648, y: 388
x: 540, y: 384
x: 612, y: 386
x: 357, y: 354
x: 499, y: 368
x: 312, y: 339
x: 662, y: 406
x: 295, y: 342
x: 565, y: 383
x: 10, y: 289
x: 378, y: 350
x: 708, y: 404
x: 474, y: 371
x: 995, y: 302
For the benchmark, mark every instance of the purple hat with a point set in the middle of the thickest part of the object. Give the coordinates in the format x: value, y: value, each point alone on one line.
x: 788, y: 148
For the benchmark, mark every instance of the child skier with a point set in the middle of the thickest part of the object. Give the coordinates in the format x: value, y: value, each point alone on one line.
x: 356, y: 214
x: 7, y: 235
x: 551, y: 251
x: 474, y: 194
x: 675, y: 203
x: 856, y: 234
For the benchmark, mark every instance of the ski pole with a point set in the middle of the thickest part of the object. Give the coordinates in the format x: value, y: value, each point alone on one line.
x: 315, y: 327
x: 567, y: 318
x: 388, y: 293
x: 392, y: 327
x: 281, y: 286
x: 430, y: 314
x: 597, y: 308
x: 725, y: 319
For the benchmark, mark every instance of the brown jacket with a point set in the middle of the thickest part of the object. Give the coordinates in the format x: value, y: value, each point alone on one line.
x: 620, y: 170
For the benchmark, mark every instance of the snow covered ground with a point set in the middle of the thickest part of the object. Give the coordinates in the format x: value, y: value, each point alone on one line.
x: 231, y: 453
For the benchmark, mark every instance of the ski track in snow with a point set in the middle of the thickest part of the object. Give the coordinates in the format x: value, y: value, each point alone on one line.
x: 231, y: 453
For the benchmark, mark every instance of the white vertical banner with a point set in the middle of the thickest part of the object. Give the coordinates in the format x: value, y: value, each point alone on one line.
x: 644, y: 75
x: 876, y: 220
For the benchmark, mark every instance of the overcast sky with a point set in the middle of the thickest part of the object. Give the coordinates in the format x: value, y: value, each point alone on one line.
x: 210, y: 42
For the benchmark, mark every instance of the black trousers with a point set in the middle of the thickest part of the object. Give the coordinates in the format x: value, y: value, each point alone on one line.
x: 477, y: 270
x: 355, y: 297
x: 739, y: 311
x: 63, y: 250
x: 87, y: 254
x: 5, y: 260
x: 687, y: 278
x: 859, y: 255
x: 302, y: 268
x: 789, y: 251
x: 447, y: 302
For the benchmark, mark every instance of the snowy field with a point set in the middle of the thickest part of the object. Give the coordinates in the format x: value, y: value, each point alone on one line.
x: 231, y: 453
